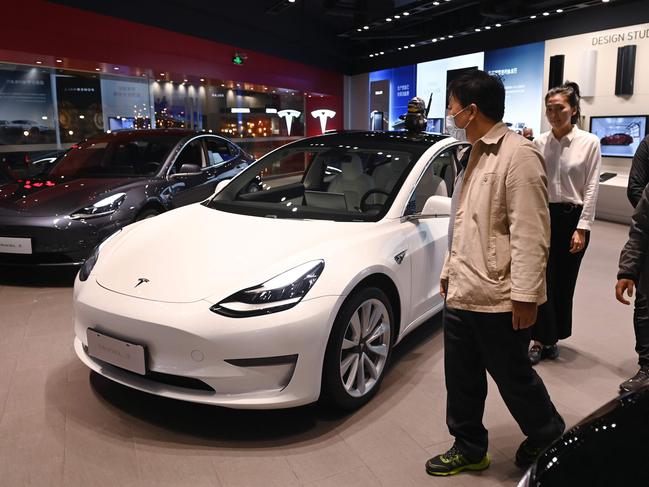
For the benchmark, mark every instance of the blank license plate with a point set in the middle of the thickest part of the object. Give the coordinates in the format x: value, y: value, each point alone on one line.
x: 122, y: 354
x: 13, y: 245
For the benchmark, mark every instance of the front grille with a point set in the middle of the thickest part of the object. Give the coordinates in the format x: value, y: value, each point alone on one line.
x: 179, y: 381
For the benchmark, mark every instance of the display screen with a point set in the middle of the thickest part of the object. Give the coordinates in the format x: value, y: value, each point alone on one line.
x: 435, y: 125
x: 619, y: 136
x: 121, y: 123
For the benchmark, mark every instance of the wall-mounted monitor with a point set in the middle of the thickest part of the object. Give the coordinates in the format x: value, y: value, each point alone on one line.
x: 435, y: 125
x: 619, y: 136
x: 121, y: 123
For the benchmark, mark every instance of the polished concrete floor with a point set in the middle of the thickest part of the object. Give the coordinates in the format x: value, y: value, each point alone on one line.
x: 61, y: 426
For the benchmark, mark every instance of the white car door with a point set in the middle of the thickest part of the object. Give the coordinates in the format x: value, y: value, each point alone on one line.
x: 427, y: 237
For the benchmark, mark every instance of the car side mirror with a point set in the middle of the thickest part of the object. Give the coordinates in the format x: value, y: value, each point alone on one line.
x: 222, y: 184
x: 187, y: 170
x: 435, y: 207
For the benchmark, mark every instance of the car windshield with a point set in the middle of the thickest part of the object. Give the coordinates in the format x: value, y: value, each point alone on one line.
x: 326, y: 178
x: 136, y: 157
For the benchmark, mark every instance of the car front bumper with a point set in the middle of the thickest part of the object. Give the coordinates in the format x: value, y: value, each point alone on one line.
x: 193, y: 354
x: 56, y: 241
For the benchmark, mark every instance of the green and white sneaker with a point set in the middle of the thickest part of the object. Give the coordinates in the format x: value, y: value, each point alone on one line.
x: 453, y: 462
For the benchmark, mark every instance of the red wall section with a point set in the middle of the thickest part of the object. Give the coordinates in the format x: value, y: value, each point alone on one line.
x: 34, y: 29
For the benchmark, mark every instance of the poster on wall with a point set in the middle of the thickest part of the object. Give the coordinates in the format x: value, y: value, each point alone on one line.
x: 521, y: 69
x: 390, y: 91
x: 26, y: 108
x: 79, y: 103
x: 125, y: 104
x: 432, y: 77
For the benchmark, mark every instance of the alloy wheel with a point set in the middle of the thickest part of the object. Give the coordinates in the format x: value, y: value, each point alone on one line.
x: 365, y: 347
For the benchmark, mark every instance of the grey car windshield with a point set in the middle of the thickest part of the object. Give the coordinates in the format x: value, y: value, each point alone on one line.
x: 323, y: 178
x: 135, y: 157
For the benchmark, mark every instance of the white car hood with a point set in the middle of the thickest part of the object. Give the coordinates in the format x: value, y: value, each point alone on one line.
x: 196, y: 252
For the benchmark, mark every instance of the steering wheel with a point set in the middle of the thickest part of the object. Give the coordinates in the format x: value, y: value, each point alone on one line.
x: 372, y: 206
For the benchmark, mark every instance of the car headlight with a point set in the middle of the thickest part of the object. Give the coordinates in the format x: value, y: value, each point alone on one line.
x: 89, y: 263
x: 102, y: 207
x: 277, y: 294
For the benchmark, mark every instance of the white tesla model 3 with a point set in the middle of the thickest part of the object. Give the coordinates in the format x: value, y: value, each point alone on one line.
x: 293, y: 282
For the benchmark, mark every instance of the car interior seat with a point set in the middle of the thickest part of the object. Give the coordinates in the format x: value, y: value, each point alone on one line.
x: 387, y: 175
x: 352, y: 182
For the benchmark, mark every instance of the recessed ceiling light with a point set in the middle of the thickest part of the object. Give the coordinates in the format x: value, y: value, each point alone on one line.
x: 545, y: 14
x: 499, y: 25
x: 488, y: 27
x: 389, y: 19
x: 97, y: 69
x: 371, y: 55
x: 39, y: 62
x: 477, y: 29
x: 406, y: 13
x: 559, y: 10
x: 59, y: 60
x: 435, y: 39
x: 605, y: 1
x: 366, y: 27
x: 436, y: 3
x: 359, y: 29
x: 202, y: 79
x: 450, y: 37
x: 382, y: 53
x: 533, y: 17
x: 405, y: 47
x: 397, y: 16
x: 442, y: 38
x: 184, y: 81
x: 399, y: 48
x: 291, y: 1
x: 116, y: 68
x: 412, y: 45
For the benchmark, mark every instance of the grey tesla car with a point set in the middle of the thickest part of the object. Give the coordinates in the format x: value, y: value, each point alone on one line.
x: 105, y: 183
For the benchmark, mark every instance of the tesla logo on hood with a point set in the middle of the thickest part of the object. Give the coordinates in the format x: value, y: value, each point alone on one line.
x: 141, y: 280
x: 323, y: 115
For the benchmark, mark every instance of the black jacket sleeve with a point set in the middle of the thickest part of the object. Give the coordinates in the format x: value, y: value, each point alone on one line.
x: 634, y: 252
x: 639, y: 174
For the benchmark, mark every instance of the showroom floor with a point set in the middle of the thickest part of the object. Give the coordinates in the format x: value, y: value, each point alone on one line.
x: 61, y: 426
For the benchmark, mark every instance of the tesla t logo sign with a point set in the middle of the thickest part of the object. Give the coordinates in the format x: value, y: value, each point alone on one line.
x: 289, y: 115
x: 323, y: 115
x: 141, y: 280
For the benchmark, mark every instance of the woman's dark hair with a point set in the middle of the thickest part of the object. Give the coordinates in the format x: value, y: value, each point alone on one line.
x: 481, y: 88
x: 570, y: 90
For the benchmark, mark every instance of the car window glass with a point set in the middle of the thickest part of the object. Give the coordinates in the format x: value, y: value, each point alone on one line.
x: 118, y: 157
x: 192, y: 153
x: 324, y: 180
x: 218, y: 151
x: 438, y: 179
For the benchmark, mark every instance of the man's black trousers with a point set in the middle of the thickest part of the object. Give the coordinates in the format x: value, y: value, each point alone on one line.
x: 477, y: 343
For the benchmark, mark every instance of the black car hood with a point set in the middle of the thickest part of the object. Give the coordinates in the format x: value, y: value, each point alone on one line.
x: 42, y: 197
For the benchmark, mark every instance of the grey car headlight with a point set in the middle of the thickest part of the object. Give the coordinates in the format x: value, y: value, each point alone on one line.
x: 277, y: 294
x: 89, y: 263
x: 103, y: 207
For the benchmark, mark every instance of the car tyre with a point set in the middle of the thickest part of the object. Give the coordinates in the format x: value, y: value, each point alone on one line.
x: 359, y: 349
x: 146, y: 213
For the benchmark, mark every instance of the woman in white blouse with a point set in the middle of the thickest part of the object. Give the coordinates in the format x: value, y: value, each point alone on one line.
x: 572, y: 161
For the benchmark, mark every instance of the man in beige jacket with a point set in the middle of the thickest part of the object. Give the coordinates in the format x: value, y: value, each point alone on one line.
x: 493, y: 279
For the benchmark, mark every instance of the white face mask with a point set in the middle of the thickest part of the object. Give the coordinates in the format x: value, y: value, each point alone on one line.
x: 455, y: 131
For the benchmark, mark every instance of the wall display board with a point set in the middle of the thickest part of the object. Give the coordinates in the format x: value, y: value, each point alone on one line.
x: 79, y: 103
x: 26, y: 108
x: 390, y: 91
x: 125, y: 103
x: 521, y: 69
x: 619, y: 136
x: 432, y: 77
